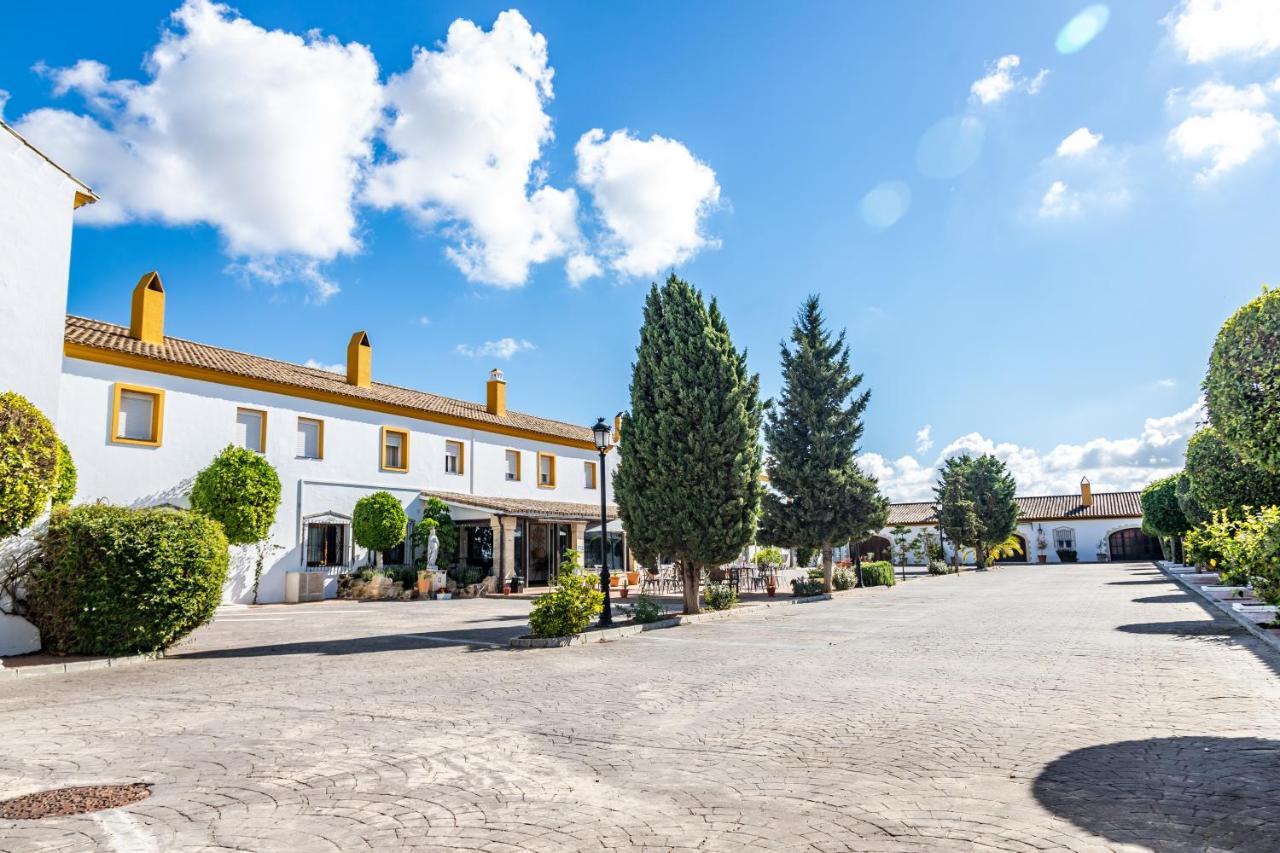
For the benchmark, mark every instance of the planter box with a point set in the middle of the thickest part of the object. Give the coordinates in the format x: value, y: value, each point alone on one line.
x: 1201, y: 578
x: 1227, y: 593
x: 1257, y: 613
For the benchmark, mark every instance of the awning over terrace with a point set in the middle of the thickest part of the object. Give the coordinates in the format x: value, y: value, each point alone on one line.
x: 526, y: 507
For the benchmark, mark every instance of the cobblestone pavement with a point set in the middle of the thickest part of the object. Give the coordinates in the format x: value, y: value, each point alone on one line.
x: 1027, y: 708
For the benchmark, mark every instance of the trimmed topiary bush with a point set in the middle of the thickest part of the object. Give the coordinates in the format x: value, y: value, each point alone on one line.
x: 241, y: 491
x: 28, y: 463
x: 878, y: 574
x: 65, y: 489
x: 844, y: 579
x: 1242, y: 386
x: 567, y: 609
x: 115, y: 581
x: 1161, y: 513
x: 378, y: 523
x: 941, y: 567
x: 719, y: 596
x: 1219, y: 478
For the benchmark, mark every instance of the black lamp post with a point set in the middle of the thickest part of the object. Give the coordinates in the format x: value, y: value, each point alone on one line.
x: 602, y: 432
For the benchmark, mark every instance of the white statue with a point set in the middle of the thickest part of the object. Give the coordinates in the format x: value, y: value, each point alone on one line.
x: 433, y: 549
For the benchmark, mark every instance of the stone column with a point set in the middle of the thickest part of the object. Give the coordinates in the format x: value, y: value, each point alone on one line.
x: 578, y: 535
x: 504, y: 546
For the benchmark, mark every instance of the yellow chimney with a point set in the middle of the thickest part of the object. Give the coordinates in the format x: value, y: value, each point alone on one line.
x: 496, y: 394
x: 146, y: 317
x: 1086, y: 492
x: 359, y: 360
x: 617, y: 428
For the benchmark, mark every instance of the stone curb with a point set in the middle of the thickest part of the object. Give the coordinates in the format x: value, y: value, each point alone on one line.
x: 74, y: 666
x: 1223, y: 606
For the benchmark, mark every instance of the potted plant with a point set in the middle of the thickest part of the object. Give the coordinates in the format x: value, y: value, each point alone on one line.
x: 1102, y: 554
x: 625, y: 585
x: 1041, y: 546
x: 506, y: 587
x: 424, y: 583
x: 771, y: 585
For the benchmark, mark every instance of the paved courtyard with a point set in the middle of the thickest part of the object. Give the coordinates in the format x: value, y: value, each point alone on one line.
x: 1027, y: 708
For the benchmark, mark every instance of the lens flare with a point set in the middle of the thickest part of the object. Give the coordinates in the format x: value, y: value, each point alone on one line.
x: 1083, y: 28
x: 950, y: 147
x: 885, y: 204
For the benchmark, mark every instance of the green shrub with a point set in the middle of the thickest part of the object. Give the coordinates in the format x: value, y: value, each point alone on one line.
x: 378, y: 522
x: 1161, y: 513
x: 648, y: 610
x: 804, y: 556
x: 467, y: 575
x: 844, y: 579
x: 65, y: 489
x: 877, y: 574
x: 801, y: 587
x: 241, y: 491
x: 815, y: 574
x: 941, y: 567
x: 719, y: 596
x: 770, y: 557
x: 28, y: 463
x: 1067, y: 555
x: 114, y: 581
x: 567, y: 610
x: 1242, y: 386
x: 436, y: 510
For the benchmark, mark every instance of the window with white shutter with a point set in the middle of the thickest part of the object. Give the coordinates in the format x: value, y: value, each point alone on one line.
x: 137, y: 415
x: 513, y: 465
x: 453, y: 457
x: 310, y: 438
x: 251, y: 429
x: 395, y: 449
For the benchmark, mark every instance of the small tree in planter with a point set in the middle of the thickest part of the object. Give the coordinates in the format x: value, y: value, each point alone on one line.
x: 378, y: 523
x: 1162, y: 515
x: 568, y: 609
x: 901, y: 536
x: 770, y: 559
x: 29, y: 456
x: 241, y: 491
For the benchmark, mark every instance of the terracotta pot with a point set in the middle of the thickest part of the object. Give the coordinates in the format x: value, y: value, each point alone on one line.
x: 622, y: 593
x: 771, y: 591
x: 633, y: 578
x: 506, y: 589
x: 1042, y: 559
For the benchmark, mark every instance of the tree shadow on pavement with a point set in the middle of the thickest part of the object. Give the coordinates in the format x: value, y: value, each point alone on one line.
x: 474, y: 639
x: 1171, y: 794
x: 1172, y: 598
x: 1138, y: 583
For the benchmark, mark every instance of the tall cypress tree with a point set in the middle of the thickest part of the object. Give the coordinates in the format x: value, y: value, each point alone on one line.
x: 818, y: 497
x: 976, y: 504
x: 688, y: 479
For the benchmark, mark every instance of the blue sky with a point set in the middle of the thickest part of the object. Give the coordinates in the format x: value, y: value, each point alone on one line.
x: 1041, y: 274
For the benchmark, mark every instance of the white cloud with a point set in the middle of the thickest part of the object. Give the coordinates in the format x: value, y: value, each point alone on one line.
x: 1166, y: 383
x: 1058, y: 201
x: 581, y: 267
x: 1111, y: 464
x: 261, y: 134
x: 1002, y: 78
x: 319, y: 365
x: 652, y: 197
x: 4, y: 99
x: 924, y: 440
x: 424, y: 320
x: 503, y: 348
x: 1214, y: 95
x: 1225, y: 138
x: 468, y: 131
x: 1078, y: 143
x: 1206, y: 30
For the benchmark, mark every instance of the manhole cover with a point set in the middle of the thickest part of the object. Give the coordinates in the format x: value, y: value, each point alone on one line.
x: 68, y: 801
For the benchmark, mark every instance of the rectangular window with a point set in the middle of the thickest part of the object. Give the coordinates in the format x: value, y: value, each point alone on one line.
x: 251, y: 430
x: 395, y: 449
x: 453, y: 461
x: 589, y: 474
x: 513, y: 465
x: 1064, y: 538
x: 138, y: 415
x: 546, y: 471
x: 326, y: 544
x: 310, y: 438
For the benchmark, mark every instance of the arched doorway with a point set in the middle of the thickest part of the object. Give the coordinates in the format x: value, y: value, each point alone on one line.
x: 875, y: 548
x: 1132, y: 544
x: 1021, y: 556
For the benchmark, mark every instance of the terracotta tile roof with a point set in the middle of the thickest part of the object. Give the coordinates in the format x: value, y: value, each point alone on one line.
x: 1038, y: 508
x: 111, y: 338
x: 527, y: 507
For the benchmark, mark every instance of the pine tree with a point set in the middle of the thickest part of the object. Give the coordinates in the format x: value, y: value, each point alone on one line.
x: 688, y: 479
x: 818, y: 497
x: 976, y: 505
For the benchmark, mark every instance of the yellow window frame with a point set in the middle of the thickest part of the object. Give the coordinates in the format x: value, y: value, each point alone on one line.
x: 595, y: 480
x: 519, y: 464
x: 404, y: 449
x: 552, y: 470
x: 319, y: 436
x: 157, y: 415
x: 462, y: 455
x: 262, y: 429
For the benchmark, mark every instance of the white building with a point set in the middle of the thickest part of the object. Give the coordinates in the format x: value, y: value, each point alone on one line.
x: 1097, y: 526
x: 142, y: 412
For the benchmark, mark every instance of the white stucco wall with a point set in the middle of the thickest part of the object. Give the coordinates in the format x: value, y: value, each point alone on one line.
x: 199, y: 421
x: 1088, y: 533
x: 36, y: 206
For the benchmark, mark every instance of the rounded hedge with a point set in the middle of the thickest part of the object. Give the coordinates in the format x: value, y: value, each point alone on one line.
x: 1161, y: 513
x: 568, y: 609
x: 65, y: 488
x: 28, y: 463
x: 877, y: 574
x: 115, y: 581
x: 1222, y: 479
x: 241, y: 491
x: 1242, y: 387
x: 378, y: 522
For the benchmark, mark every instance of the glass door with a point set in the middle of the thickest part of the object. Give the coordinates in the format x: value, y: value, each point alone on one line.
x: 538, y: 536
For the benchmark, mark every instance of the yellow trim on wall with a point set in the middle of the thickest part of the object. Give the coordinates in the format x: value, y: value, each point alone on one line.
x: 319, y: 437
x: 519, y: 463
x: 157, y: 415
x: 217, y: 377
x: 591, y: 467
x: 404, y: 449
x: 262, y: 427
x: 552, y: 484
x: 462, y: 456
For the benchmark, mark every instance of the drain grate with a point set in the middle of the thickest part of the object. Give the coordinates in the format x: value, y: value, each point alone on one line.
x: 68, y: 801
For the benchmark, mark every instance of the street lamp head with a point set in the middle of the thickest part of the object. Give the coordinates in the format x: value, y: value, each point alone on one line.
x: 602, y: 433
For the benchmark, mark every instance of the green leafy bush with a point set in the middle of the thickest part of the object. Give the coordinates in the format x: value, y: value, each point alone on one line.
x: 815, y: 574
x: 770, y: 557
x: 65, y: 489
x: 844, y: 579
x: 241, y: 491
x: 568, y: 609
x: 28, y: 463
x: 467, y: 575
x: 801, y: 587
x: 941, y: 567
x: 113, y: 581
x: 878, y: 574
x: 1219, y: 478
x: 436, y: 510
x: 719, y: 596
x: 1161, y: 513
x: 1067, y: 555
x: 378, y: 522
x: 805, y: 556
x: 648, y: 609
x: 1242, y: 386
